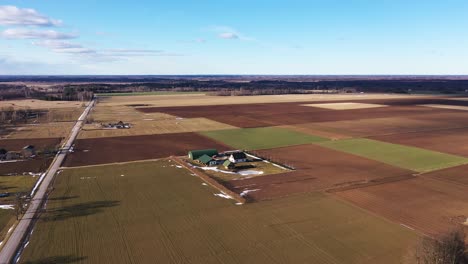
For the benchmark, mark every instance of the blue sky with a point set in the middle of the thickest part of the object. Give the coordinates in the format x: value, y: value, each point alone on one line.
x: 233, y: 37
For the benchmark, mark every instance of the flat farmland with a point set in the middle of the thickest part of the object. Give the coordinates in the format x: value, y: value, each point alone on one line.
x: 373, y: 126
x: 12, y: 185
x: 406, y: 157
x: 147, y: 211
x: 452, y: 141
x: 261, y: 138
x: 429, y: 205
x: 38, y: 143
x: 203, y: 100
x: 317, y: 169
x: 286, y: 113
x: 456, y: 175
x: 150, y: 126
x: 34, y: 165
x: 38, y: 104
x: 121, y: 149
x: 40, y: 130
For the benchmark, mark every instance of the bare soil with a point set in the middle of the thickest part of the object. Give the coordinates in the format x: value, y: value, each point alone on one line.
x: 317, y: 168
x: 121, y: 149
x: 429, y: 205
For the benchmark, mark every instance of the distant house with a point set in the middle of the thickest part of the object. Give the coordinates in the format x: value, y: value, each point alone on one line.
x: 237, y: 157
x: 118, y: 125
x: 195, y: 154
x: 12, y: 155
x: 28, y: 151
x: 207, y: 160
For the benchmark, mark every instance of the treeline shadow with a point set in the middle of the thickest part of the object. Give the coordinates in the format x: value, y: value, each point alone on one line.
x: 57, y: 260
x: 63, y: 198
x: 78, y: 210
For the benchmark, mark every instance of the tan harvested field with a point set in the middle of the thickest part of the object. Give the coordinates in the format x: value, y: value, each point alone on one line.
x: 345, y: 106
x: 153, y: 212
x: 202, y: 100
x: 94, y: 151
x: 38, y: 104
x: 454, y: 107
x: 318, y: 168
x: 40, y: 130
x: 154, y: 126
x: 428, y: 205
x: 452, y: 141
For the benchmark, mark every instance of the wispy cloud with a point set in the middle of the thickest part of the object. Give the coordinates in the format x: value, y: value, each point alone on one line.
x: 228, y: 35
x: 226, y: 32
x: 14, y: 16
x: 64, y: 47
x: 23, y: 33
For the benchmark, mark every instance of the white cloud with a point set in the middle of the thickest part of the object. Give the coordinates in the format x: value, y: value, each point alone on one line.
x: 14, y: 16
x: 63, y: 47
x: 225, y: 32
x: 228, y: 35
x: 21, y: 33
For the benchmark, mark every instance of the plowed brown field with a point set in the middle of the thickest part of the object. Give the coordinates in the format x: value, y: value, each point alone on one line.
x: 457, y: 175
x: 452, y: 141
x: 38, y: 143
x: 258, y: 115
x: 35, y: 165
x: 428, y: 205
x: 120, y: 149
x: 318, y: 168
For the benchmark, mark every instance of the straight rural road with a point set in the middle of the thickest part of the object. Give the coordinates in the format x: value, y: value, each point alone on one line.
x: 14, y: 242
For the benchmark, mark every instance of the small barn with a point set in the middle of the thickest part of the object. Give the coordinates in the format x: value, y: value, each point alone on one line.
x: 229, y: 165
x: 237, y: 157
x: 28, y: 151
x: 195, y: 154
x: 207, y: 160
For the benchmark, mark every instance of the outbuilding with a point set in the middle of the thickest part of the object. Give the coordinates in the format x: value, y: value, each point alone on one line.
x: 28, y: 151
x: 207, y: 160
x: 237, y: 157
x: 195, y: 154
x: 229, y: 165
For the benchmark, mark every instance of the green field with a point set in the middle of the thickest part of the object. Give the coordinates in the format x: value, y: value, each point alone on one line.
x: 157, y: 213
x: 148, y: 93
x: 261, y: 138
x: 12, y: 184
x: 406, y: 157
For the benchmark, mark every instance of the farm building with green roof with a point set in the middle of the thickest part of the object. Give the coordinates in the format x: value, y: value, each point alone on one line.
x: 207, y: 160
x: 195, y: 154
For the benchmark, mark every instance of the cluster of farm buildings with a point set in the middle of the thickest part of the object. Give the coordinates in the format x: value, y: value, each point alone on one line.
x: 211, y: 157
x: 28, y: 151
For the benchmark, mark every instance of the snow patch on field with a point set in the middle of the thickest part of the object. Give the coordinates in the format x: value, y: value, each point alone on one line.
x: 245, y: 192
x: 179, y: 167
x: 250, y: 172
x: 223, y: 195
x: 204, y: 184
x: 7, y: 206
x: 215, y: 169
x: 10, y: 161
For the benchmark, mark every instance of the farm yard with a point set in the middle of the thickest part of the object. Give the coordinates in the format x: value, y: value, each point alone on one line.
x: 154, y: 210
x: 356, y: 168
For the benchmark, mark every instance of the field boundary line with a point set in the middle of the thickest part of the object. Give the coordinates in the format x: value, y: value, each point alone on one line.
x: 207, y: 179
x: 108, y: 164
x: 372, y: 183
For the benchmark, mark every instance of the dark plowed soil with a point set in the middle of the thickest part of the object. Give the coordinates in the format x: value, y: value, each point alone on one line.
x: 457, y: 175
x: 120, y: 149
x: 260, y: 115
x: 318, y: 168
x: 35, y: 165
x: 38, y: 143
